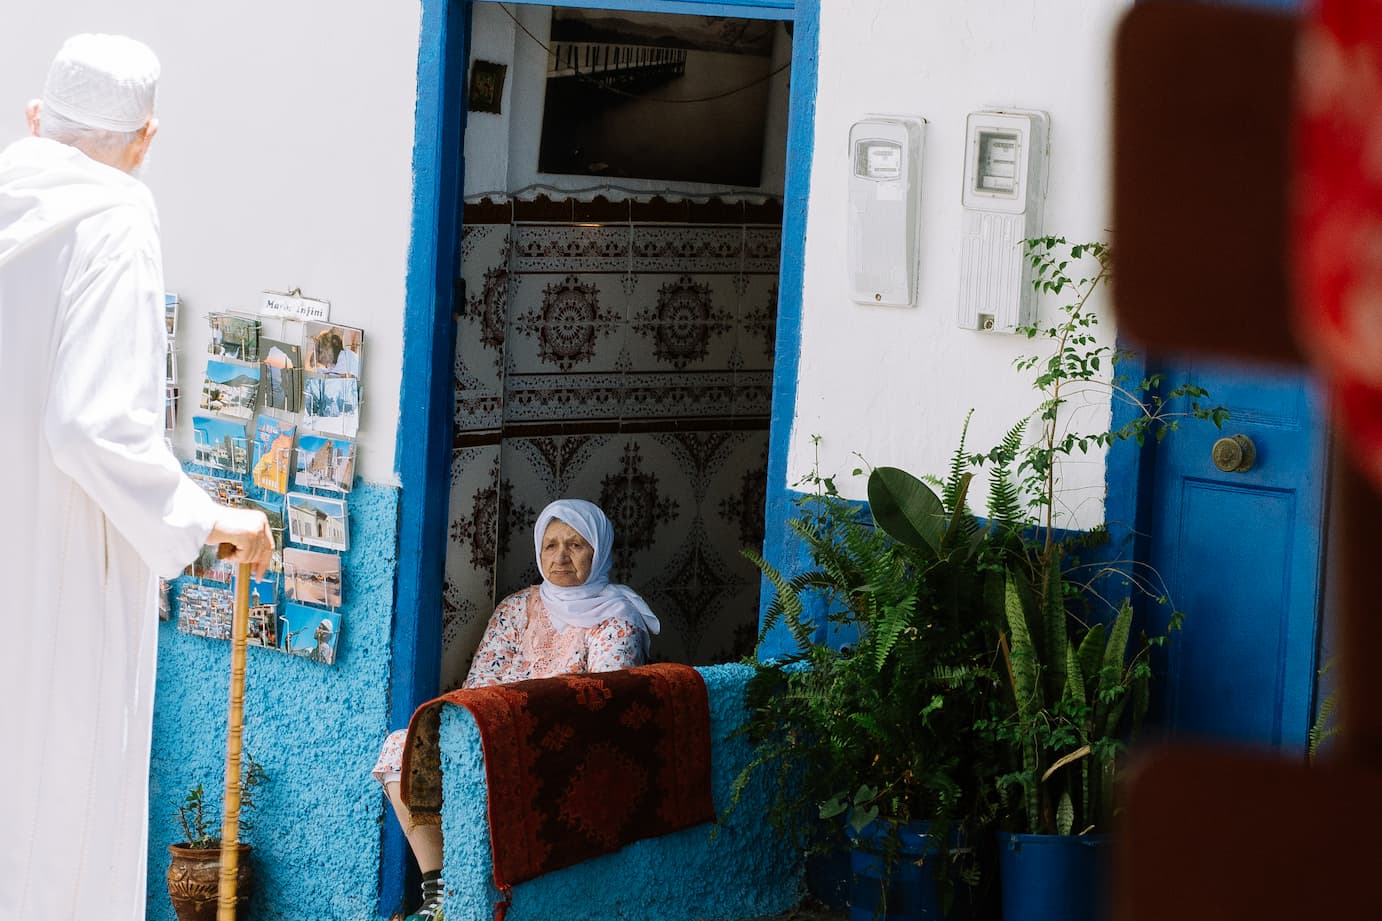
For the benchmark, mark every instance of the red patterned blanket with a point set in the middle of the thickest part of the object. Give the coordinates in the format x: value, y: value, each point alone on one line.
x: 575, y: 766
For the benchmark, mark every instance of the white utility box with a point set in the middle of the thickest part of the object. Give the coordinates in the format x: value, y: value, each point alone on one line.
x: 1004, y: 193
x: 884, y: 209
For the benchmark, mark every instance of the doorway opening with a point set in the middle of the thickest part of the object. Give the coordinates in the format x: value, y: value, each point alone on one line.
x: 619, y: 261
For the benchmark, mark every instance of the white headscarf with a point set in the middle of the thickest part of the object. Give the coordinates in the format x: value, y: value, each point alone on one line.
x: 597, y: 599
x: 103, y: 81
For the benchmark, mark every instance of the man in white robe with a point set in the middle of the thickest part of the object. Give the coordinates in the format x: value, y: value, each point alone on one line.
x: 95, y: 505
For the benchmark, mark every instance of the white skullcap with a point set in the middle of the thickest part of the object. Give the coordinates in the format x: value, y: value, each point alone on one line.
x: 103, y: 81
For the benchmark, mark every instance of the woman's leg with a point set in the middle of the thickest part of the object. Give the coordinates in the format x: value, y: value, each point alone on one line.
x: 425, y: 840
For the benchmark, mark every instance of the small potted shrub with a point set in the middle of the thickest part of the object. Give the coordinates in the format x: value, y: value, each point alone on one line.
x: 195, y: 871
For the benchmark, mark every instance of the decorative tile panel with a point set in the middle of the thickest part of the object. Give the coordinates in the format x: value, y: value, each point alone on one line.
x: 687, y: 249
x: 762, y: 249
x: 568, y: 248
x: 630, y: 365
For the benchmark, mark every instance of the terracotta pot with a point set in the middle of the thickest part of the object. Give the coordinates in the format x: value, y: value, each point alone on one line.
x: 194, y: 877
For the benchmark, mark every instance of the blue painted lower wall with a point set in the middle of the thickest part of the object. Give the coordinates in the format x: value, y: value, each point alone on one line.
x: 315, y: 728
x: 747, y: 871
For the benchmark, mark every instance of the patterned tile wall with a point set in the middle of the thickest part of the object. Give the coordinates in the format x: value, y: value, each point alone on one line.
x: 627, y: 362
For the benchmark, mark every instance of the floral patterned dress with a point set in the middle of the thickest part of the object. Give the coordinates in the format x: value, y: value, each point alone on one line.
x: 521, y: 642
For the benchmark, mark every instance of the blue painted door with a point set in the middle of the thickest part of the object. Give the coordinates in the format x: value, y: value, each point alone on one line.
x: 1241, y: 553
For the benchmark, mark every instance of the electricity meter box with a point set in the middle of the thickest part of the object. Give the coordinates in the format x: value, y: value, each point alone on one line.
x: 1004, y: 194
x: 884, y: 209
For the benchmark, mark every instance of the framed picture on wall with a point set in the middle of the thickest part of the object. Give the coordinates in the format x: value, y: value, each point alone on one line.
x: 657, y: 96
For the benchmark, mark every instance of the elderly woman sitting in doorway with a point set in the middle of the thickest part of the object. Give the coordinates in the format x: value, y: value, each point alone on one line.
x: 574, y: 621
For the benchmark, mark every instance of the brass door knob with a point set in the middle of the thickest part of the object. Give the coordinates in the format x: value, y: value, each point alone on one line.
x: 1234, y: 454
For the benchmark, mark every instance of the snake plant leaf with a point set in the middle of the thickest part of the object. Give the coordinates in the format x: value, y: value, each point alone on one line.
x: 1055, y: 638
x: 906, y: 508
x: 1111, y: 696
x: 1074, y: 694
x: 1091, y: 657
x: 1065, y: 814
x: 1024, y: 658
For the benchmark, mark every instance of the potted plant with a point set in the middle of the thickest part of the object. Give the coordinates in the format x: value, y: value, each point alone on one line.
x: 195, y: 870
x: 1077, y: 682
x: 872, y: 730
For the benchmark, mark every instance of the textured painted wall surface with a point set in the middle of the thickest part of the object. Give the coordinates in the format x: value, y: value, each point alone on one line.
x: 315, y: 728
x: 746, y: 872
x: 894, y: 384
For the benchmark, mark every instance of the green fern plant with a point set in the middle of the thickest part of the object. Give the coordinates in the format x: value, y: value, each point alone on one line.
x: 880, y: 725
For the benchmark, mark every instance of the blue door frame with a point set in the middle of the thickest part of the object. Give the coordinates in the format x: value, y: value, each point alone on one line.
x: 423, y: 450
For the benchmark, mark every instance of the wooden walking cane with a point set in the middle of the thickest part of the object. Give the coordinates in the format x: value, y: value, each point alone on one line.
x: 235, y: 724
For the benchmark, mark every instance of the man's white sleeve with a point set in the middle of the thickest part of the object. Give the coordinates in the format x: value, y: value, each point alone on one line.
x: 104, y: 418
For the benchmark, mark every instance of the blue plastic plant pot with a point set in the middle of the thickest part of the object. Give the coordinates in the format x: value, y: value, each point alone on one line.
x: 827, y: 878
x: 912, y: 893
x: 1054, y: 877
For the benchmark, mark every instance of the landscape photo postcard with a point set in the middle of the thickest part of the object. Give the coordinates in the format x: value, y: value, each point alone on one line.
x: 318, y: 521
x: 230, y: 388
x: 207, y: 567
x: 234, y: 336
x: 310, y: 577
x: 274, y: 512
x: 224, y: 490
x: 221, y: 443
x: 332, y: 350
x: 280, y: 383
x: 325, y: 463
x: 332, y: 404
x: 272, y: 462
x: 205, y: 610
x: 309, y: 632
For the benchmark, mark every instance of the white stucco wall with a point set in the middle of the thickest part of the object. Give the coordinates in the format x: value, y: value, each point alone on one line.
x: 894, y: 384
x: 284, y: 160
x: 501, y: 149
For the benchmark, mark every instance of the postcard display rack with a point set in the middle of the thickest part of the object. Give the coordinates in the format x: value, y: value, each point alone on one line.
x: 276, y: 421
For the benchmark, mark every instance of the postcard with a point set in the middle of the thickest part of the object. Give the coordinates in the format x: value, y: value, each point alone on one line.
x: 309, y: 632
x: 170, y: 407
x: 170, y: 313
x: 221, y: 443
x: 223, y: 489
x: 318, y: 521
x: 274, y: 512
x: 205, y: 610
x: 207, y: 567
x: 310, y: 577
x: 273, y: 454
x: 332, y: 350
x: 234, y: 336
x: 325, y: 463
x: 262, y: 591
x: 263, y: 627
x: 281, y: 381
x: 170, y: 373
x: 332, y: 404
x: 230, y: 388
